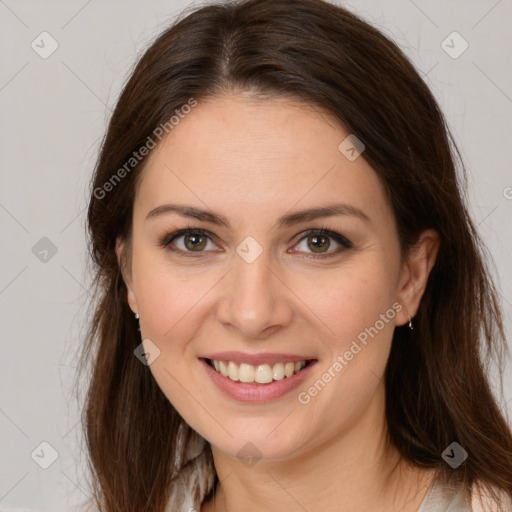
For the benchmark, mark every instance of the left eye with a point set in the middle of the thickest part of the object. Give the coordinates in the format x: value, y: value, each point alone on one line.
x: 318, y: 241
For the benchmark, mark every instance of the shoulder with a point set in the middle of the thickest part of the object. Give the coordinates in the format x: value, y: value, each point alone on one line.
x: 482, y: 499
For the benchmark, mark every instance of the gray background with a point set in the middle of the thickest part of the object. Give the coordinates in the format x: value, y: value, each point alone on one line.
x: 54, y: 113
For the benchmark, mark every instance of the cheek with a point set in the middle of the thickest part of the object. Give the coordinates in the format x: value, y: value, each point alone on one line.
x: 358, y: 310
x: 172, y: 312
x: 351, y: 299
x: 169, y: 302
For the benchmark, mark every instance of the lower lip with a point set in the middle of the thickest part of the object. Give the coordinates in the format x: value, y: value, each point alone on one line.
x: 256, y: 392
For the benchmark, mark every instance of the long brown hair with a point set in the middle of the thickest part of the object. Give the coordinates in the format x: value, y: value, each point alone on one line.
x: 437, y: 389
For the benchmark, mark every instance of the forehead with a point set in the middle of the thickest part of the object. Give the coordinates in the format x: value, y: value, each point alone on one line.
x: 243, y: 156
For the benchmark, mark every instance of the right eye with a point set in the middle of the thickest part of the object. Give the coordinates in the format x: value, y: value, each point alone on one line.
x: 190, y: 241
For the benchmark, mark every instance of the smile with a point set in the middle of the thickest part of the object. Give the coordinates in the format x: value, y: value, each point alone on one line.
x: 256, y: 378
x: 260, y: 374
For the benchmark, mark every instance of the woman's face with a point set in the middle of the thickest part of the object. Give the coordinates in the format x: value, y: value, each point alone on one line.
x: 249, y: 285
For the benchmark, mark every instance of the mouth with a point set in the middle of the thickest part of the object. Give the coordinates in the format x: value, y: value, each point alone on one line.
x: 261, y: 374
x: 269, y: 378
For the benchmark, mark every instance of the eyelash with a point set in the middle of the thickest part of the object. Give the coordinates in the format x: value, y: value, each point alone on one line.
x: 344, y: 242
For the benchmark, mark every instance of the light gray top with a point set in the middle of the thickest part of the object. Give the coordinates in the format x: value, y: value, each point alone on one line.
x: 446, y: 498
x: 439, y: 498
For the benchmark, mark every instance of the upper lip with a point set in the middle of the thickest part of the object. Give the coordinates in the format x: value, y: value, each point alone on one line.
x: 256, y: 359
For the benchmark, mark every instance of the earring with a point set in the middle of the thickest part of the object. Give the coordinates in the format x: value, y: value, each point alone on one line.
x: 137, y: 316
x: 410, y: 323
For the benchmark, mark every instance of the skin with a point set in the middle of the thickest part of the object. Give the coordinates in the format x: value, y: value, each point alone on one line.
x: 253, y: 160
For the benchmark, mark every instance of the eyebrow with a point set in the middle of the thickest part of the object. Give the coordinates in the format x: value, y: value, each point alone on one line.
x: 289, y: 219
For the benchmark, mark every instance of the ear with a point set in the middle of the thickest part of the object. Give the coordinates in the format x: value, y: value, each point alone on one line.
x: 126, y: 273
x: 414, y: 274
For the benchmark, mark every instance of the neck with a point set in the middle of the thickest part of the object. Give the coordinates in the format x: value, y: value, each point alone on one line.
x: 357, y: 470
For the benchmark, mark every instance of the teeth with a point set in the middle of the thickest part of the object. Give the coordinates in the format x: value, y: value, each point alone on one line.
x: 278, y: 371
x: 223, y: 368
x: 246, y: 372
x: 261, y: 374
x: 233, y: 372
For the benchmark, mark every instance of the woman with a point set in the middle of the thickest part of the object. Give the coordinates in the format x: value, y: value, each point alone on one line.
x: 276, y: 202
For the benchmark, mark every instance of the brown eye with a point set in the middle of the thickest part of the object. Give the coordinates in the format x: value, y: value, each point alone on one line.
x: 194, y: 241
x: 318, y: 243
x: 188, y: 241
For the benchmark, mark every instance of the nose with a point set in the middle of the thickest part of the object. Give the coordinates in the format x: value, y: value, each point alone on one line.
x: 255, y: 299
